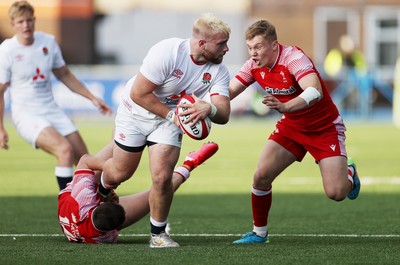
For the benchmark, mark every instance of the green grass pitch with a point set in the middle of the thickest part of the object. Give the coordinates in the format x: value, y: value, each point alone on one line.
x: 213, y: 207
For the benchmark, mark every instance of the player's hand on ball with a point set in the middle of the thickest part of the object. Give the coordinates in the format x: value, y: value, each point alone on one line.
x: 198, y: 127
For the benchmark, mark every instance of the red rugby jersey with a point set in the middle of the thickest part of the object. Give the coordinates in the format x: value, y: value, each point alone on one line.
x: 282, y: 81
x: 75, y: 207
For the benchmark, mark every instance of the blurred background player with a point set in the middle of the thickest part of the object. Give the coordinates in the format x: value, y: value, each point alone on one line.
x: 345, y: 58
x: 26, y: 63
x: 310, y: 123
x: 83, y: 215
x: 347, y: 65
x: 146, y: 114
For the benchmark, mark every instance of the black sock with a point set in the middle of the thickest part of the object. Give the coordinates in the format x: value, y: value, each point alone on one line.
x: 157, y: 229
x: 62, y: 182
x: 103, y: 191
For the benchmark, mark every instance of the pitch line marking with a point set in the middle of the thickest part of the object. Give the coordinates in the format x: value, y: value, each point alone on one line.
x: 220, y: 235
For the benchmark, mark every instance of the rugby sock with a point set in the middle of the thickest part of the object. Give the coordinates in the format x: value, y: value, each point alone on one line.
x: 102, y: 190
x: 64, y: 176
x: 260, y: 231
x: 183, y: 172
x: 157, y: 227
x: 261, y: 201
x: 350, y: 173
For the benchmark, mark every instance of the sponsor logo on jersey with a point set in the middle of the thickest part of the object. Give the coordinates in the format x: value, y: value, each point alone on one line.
x: 283, y: 91
x: 38, y: 75
x: 173, y: 100
x: 177, y: 73
x: 19, y: 57
x: 333, y: 147
x: 127, y: 104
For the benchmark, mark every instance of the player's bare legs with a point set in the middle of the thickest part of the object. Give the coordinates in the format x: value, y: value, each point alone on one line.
x: 78, y: 146
x: 335, y: 178
x: 163, y: 159
x: 119, y: 167
x: 54, y: 143
x: 137, y: 205
x: 273, y: 160
x: 340, y: 178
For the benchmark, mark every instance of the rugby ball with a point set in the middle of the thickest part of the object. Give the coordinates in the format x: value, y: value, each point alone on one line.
x: 199, y: 130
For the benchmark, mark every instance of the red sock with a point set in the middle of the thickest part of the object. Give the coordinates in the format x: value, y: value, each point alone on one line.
x: 261, y: 201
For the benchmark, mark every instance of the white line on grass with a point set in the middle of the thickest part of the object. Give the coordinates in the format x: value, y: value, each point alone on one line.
x: 217, y: 235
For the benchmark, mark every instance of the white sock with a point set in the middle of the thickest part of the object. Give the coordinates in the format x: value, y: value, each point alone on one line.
x: 157, y: 223
x: 260, y: 231
x: 64, y: 172
x: 183, y: 171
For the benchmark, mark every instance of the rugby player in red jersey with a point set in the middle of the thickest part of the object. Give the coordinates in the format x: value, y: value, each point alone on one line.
x: 310, y: 123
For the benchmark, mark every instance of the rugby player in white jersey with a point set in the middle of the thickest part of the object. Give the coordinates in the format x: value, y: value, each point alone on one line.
x: 172, y: 68
x: 26, y: 63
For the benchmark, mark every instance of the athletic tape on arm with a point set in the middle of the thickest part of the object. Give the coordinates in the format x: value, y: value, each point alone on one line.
x: 310, y: 94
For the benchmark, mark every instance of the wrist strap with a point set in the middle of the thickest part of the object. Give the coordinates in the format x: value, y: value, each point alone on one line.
x: 213, y: 110
x: 170, y: 116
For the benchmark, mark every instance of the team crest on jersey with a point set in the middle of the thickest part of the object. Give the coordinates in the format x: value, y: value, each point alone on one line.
x: 206, y: 78
x: 45, y: 51
x: 283, y: 77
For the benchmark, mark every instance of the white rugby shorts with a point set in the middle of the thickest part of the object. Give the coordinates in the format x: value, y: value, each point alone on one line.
x: 134, y: 130
x: 29, y: 125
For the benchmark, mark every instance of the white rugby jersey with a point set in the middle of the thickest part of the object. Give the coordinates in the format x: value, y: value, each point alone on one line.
x: 27, y: 69
x: 170, y: 65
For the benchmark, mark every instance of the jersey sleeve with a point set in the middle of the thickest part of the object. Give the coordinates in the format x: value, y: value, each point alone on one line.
x: 298, y: 64
x: 5, y: 66
x: 244, y: 75
x: 159, y: 62
x: 84, y: 191
x: 58, y: 61
x: 221, y: 85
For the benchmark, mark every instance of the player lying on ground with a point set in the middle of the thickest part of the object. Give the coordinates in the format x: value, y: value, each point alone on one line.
x: 83, y: 215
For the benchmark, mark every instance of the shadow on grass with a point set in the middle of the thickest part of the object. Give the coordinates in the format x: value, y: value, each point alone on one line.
x: 305, y: 229
x: 230, y: 214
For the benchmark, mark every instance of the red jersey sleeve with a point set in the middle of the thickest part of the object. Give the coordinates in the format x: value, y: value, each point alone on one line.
x: 244, y: 75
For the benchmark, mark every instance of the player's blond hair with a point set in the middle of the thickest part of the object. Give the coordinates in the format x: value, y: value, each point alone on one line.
x: 19, y: 8
x: 208, y: 24
x: 262, y: 28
